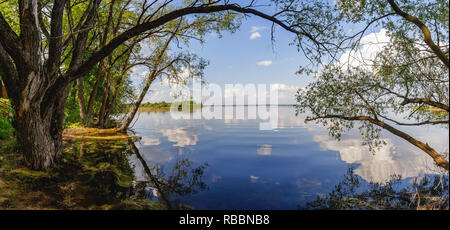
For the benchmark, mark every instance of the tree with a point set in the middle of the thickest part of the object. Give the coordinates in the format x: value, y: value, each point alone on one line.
x: 32, y: 53
x: 170, y: 66
x: 406, y: 80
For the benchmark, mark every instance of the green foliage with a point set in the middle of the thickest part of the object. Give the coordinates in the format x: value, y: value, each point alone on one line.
x: 72, y: 112
x: 10, y: 11
x: 10, y: 145
x: 162, y: 104
x: 378, y: 87
x: 166, y: 106
x: 6, y: 128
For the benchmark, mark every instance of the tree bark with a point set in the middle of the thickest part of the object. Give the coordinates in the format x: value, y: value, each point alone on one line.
x: 137, y: 104
x: 81, y: 102
x: 94, y: 92
x: 101, y: 113
x: 40, y: 132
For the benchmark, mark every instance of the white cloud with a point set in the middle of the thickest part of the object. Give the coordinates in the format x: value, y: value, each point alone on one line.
x: 257, y: 28
x: 370, y: 46
x: 264, y: 63
x: 255, y: 35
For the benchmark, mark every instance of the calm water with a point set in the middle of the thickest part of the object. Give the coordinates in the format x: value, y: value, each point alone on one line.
x: 231, y: 164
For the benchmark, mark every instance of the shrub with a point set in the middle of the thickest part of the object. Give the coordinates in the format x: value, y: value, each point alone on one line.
x: 6, y: 128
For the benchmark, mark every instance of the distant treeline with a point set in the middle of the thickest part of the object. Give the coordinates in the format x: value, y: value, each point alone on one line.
x: 165, y: 106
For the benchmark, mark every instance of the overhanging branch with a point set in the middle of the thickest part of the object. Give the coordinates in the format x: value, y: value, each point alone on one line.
x: 438, y: 159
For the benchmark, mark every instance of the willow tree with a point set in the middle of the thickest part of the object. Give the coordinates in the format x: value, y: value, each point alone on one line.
x: 32, y: 52
x: 175, y: 68
x: 405, y: 83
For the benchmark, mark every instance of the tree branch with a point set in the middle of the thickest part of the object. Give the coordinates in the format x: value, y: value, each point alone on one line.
x: 30, y: 35
x: 438, y: 159
x: 141, y: 28
x: 8, y: 73
x: 426, y: 32
x: 407, y: 100
x: 425, y: 101
x: 56, y: 34
x: 428, y: 122
x: 9, y: 40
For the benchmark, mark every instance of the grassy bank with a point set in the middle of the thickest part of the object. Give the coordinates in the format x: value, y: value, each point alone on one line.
x: 84, y: 178
x: 69, y: 183
x: 17, y: 181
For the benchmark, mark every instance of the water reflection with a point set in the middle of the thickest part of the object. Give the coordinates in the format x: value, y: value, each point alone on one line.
x: 276, y: 169
x: 352, y: 193
x: 264, y: 149
x: 101, y: 175
x: 181, y: 136
x: 181, y: 181
x: 378, y: 167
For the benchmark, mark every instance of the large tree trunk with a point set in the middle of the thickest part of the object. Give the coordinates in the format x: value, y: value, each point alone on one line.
x: 40, y: 139
x: 39, y: 121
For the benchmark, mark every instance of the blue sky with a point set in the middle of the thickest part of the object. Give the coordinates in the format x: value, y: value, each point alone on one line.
x: 246, y: 56
x: 234, y: 57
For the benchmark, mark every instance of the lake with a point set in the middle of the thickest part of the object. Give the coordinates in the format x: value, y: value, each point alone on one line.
x: 232, y: 164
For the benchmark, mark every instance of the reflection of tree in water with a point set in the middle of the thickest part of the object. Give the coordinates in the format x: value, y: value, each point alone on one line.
x: 182, y: 180
x: 429, y: 192
x: 95, y: 173
x: 99, y: 175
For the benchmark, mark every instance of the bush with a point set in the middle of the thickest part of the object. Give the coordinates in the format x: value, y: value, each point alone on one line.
x: 72, y: 112
x: 6, y: 128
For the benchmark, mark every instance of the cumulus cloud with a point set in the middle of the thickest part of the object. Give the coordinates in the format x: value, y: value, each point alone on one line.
x: 255, y: 35
x: 254, y: 32
x: 370, y: 46
x: 264, y: 63
x: 257, y: 28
